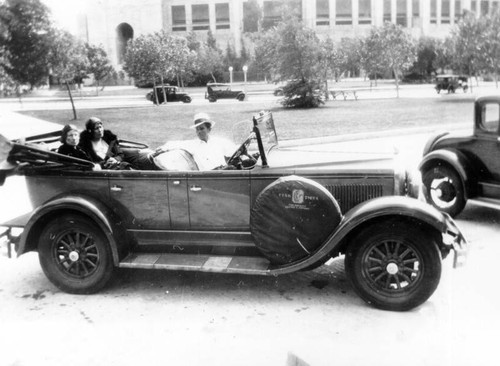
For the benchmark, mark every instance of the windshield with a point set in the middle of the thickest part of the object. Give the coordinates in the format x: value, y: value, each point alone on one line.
x: 265, y: 123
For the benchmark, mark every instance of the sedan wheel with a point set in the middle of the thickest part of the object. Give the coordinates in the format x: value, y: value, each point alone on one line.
x: 393, y: 266
x: 75, y: 255
x: 444, y: 190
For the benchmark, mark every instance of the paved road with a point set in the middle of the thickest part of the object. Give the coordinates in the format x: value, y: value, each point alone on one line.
x: 159, y: 318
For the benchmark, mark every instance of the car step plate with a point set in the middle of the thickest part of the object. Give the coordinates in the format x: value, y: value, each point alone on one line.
x: 196, y: 262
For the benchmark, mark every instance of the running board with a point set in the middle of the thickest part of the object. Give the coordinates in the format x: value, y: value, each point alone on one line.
x: 197, y: 262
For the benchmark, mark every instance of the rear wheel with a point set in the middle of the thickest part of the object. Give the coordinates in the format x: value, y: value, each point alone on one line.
x: 241, y: 97
x: 75, y: 254
x: 212, y: 99
x: 186, y: 100
x: 394, y: 265
x: 444, y: 189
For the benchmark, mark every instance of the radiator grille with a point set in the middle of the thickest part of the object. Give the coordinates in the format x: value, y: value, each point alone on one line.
x: 350, y: 195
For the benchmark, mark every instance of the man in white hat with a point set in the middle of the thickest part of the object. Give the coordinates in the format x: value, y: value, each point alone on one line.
x: 209, y: 152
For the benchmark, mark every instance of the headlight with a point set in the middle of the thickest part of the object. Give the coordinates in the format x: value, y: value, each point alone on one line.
x: 413, y: 184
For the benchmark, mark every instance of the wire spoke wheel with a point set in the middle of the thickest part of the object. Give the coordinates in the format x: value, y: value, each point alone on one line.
x: 75, y: 254
x: 394, y: 265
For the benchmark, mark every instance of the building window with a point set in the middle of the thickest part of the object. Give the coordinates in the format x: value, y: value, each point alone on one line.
x: 445, y: 12
x: 322, y: 12
x: 401, y: 13
x: 343, y: 12
x: 272, y: 13
x: 387, y: 11
x: 252, y: 14
x: 433, y: 11
x: 222, y: 16
x: 473, y: 6
x: 365, y: 12
x: 458, y: 11
x: 201, y: 19
x: 179, y: 18
x: 485, y: 6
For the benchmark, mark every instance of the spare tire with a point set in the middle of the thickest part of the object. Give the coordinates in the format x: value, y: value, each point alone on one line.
x: 291, y: 218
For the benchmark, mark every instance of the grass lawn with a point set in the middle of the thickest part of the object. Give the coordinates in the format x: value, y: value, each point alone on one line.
x: 155, y: 125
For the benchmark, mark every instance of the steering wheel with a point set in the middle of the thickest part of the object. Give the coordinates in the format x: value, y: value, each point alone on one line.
x: 242, y: 150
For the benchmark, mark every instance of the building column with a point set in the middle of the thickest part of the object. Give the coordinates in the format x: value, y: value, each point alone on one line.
x: 236, y: 23
x: 425, y: 15
x: 211, y: 16
x: 333, y: 12
x: 309, y: 13
x: 377, y: 13
x: 355, y: 12
x: 189, y: 18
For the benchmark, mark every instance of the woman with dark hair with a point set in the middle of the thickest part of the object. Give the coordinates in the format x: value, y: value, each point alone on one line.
x: 102, y: 145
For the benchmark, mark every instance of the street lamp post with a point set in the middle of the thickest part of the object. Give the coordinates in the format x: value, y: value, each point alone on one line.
x: 230, y: 75
x: 245, y: 69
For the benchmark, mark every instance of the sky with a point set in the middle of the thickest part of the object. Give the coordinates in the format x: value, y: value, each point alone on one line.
x: 64, y: 12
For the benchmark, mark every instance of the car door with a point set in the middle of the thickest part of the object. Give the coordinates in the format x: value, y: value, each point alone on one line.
x: 219, y: 200
x: 486, y: 147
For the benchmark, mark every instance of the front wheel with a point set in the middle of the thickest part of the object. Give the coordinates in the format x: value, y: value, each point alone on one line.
x: 393, y: 265
x: 444, y: 190
x: 186, y: 100
x: 241, y: 97
x: 75, y: 254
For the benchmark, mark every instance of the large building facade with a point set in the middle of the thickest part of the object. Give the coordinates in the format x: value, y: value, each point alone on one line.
x: 112, y: 23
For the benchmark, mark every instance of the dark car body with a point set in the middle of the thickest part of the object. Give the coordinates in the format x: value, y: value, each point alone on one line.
x: 217, y: 91
x: 451, y: 83
x: 171, y: 93
x: 457, y: 167
x: 274, y: 216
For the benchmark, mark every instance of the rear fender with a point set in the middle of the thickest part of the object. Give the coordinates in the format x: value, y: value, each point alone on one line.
x: 97, y: 212
x: 458, y: 161
x: 375, y: 210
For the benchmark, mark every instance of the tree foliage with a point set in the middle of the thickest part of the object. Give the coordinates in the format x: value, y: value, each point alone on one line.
x: 25, y: 38
x: 98, y: 63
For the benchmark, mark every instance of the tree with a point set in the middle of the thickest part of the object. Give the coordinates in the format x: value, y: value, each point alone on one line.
x: 490, y: 45
x: 424, y: 65
x: 142, y: 60
x: 467, y: 40
x: 349, y: 57
x: 25, y: 40
x: 99, y: 64
x: 372, y: 54
x: 330, y: 62
x: 399, y: 50
x: 298, y: 63
x: 67, y: 57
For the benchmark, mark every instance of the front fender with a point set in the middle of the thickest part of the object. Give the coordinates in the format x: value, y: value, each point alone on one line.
x: 457, y: 161
x: 86, y: 206
x: 373, y: 210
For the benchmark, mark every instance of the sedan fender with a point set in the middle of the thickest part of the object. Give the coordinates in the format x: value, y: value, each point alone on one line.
x: 85, y: 206
x: 458, y: 161
x: 374, y: 210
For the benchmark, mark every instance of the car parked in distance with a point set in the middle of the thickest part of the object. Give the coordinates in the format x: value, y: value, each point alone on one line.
x: 460, y: 167
x: 217, y: 91
x: 451, y: 83
x: 267, y: 212
x: 168, y: 92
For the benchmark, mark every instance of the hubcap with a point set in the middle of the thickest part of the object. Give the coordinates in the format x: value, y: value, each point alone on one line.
x: 392, y: 268
x: 73, y: 256
x: 443, y: 192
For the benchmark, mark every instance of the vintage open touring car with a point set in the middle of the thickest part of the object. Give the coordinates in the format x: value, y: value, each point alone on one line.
x: 254, y: 216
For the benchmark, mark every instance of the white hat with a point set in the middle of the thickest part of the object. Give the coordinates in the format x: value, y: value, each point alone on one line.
x: 201, y: 118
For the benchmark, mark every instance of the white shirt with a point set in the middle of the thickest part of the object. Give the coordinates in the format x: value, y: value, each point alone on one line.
x: 207, y: 155
x: 100, y: 148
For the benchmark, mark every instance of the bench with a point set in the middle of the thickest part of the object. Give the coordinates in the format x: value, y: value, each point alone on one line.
x: 347, y: 92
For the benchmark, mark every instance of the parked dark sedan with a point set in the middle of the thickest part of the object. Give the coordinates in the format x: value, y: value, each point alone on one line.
x: 258, y: 215
x: 459, y: 167
x: 451, y: 83
x: 217, y: 91
x: 168, y: 93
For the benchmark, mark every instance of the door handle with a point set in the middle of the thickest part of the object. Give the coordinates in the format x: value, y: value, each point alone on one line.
x: 116, y: 188
x: 195, y: 188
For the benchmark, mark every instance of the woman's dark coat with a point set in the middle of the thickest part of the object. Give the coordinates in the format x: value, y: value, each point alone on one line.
x: 110, y: 138
x: 74, y: 151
